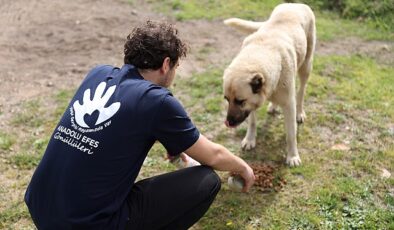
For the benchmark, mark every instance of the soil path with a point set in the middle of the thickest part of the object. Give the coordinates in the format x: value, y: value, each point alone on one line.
x: 50, y: 44
x: 47, y: 45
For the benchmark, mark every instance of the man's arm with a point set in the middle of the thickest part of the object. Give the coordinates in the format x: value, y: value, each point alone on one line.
x: 218, y: 157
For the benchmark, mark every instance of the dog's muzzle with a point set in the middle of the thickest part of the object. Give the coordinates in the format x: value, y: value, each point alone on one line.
x: 233, y: 121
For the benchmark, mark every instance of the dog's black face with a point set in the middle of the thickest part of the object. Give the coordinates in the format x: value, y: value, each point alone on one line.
x: 236, y: 113
x: 242, y: 98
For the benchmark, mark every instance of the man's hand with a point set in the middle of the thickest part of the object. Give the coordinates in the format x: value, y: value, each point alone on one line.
x: 220, y: 158
x: 248, y: 177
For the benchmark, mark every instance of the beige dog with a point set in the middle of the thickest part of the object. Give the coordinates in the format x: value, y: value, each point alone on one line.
x: 266, y: 69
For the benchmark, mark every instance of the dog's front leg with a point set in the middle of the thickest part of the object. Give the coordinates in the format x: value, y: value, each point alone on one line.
x: 249, y: 140
x: 289, y: 112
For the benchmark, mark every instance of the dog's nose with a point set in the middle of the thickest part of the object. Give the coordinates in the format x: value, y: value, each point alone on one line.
x: 230, y: 122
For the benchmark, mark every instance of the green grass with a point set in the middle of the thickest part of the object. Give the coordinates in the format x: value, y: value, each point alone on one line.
x: 209, y: 9
x: 348, y: 203
x: 6, y: 141
x: 330, y: 27
x: 23, y: 149
x: 349, y: 101
x: 62, y: 99
x: 203, y: 53
x: 333, y: 189
x: 357, y: 81
x: 377, y: 13
x: 199, y: 93
x: 37, y: 120
x: 338, y: 189
x: 29, y: 116
x: 12, y: 214
x: 30, y: 154
x: 350, y: 97
x: 329, y: 24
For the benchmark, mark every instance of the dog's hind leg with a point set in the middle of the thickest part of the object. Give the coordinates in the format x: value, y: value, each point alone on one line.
x: 303, y: 73
x: 289, y: 112
x: 249, y: 140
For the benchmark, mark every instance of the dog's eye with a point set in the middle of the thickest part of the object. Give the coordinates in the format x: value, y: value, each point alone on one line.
x: 239, y: 102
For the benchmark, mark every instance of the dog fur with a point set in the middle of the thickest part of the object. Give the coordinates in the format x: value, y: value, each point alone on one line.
x: 266, y: 68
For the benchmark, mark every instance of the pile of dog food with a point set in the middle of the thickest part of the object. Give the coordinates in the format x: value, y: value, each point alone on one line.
x: 266, y: 179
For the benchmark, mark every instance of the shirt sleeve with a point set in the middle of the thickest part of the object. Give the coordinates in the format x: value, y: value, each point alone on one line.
x: 173, y: 127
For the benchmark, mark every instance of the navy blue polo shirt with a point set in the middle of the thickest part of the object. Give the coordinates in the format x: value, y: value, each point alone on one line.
x: 97, y: 149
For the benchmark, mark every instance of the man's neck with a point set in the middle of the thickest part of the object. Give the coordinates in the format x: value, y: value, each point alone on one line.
x: 151, y: 75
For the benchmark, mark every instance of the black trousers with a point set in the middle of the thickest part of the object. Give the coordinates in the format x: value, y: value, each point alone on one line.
x: 174, y: 200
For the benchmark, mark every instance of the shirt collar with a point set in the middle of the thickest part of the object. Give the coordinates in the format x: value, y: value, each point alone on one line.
x: 131, y: 71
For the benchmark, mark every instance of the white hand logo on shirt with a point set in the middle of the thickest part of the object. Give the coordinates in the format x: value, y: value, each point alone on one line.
x: 99, y: 100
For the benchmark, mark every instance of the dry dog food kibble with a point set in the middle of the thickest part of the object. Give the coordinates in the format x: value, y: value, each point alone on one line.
x: 265, y: 177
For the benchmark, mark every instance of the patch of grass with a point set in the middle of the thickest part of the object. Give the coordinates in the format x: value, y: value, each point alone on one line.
x: 307, y: 171
x: 304, y: 221
x: 40, y: 122
x: 204, y: 52
x: 329, y: 24
x: 376, y: 13
x: 6, y: 141
x: 333, y: 189
x: 12, y: 214
x: 62, y: 100
x: 387, y: 157
x: 357, y: 80
x: 337, y: 155
x: 234, y: 211
x: 25, y: 160
x: 209, y: 9
x: 330, y: 27
x: 30, y: 153
x: 347, y: 97
x: 349, y: 204
x: 37, y: 122
x: 29, y: 115
x: 204, y: 89
x: 362, y: 161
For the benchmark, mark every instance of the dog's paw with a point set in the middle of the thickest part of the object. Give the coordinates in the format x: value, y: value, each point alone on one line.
x: 301, y: 117
x: 293, y: 161
x: 248, y: 144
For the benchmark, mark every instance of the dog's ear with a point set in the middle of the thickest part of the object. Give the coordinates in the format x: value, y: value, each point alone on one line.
x: 257, y: 83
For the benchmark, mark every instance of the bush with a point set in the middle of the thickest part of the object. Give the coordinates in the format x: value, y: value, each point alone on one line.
x: 379, y: 12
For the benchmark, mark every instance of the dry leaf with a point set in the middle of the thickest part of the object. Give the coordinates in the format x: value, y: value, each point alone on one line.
x: 341, y: 147
x: 385, y: 174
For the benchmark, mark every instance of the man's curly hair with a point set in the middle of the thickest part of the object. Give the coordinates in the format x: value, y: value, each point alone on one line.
x: 149, y: 44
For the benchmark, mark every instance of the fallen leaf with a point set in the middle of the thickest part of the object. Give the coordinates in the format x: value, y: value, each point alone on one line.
x: 341, y: 147
x: 385, y: 173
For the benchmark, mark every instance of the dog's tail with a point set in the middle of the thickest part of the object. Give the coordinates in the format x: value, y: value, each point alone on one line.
x: 243, y: 25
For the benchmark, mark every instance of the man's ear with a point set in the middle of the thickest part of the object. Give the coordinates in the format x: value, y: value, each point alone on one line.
x: 166, y: 65
x: 257, y: 83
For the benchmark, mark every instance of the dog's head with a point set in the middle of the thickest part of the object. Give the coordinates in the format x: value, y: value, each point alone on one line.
x: 244, y: 91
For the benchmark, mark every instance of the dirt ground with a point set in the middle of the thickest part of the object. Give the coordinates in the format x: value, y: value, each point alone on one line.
x: 48, y: 45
